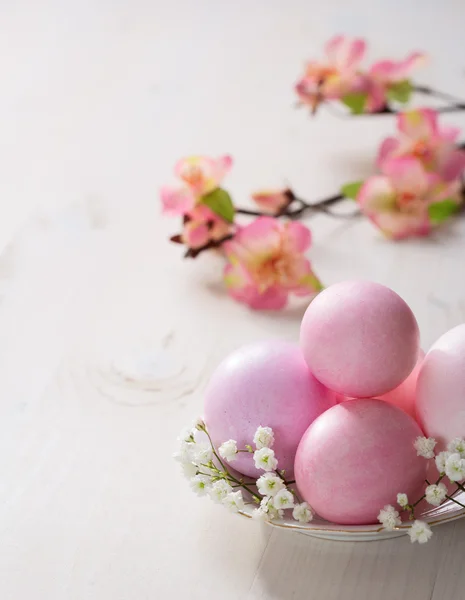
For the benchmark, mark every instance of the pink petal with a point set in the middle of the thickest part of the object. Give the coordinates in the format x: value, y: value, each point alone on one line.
x: 390, y: 71
x: 383, y: 70
x: 454, y: 165
x: 405, y: 67
x: 271, y: 200
x: 449, y: 134
x: 376, y: 195
x: 195, y: 234
x: 202, y: 173
x: 307, y: 283
x: 407, y: 175
x: 307, y: 91
x: 418, y: 124
x: 241, y: 287
x: 399, y: 226
x: 299, y: 236
x: 345, y: 53
x: 387, y: 150
x: 176, y: 201
x: 377, y: 98
x: 254, y: 242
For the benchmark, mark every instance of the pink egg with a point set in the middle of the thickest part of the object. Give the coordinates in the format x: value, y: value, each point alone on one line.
x: 355, y: 458
x: 441, y: 388
x: 404, y: 395
x: 267, y: 384
x: 360, y: 339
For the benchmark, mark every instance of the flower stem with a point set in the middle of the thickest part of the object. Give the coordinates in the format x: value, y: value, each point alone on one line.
x: 228, y: 474
x: 456, y: 501
x: 456, y: 103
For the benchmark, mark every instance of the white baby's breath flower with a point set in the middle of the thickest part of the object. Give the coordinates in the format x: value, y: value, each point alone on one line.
x: 302, y: 513
x: 200, y: 484
x: 265, y: 459
x: 420, y: 532
x: 436, y: 494
x: 202, y: 454
x: 267, y: 508
x: 260, y: 514
x: 219, y: 490
x: 441, y: 460
x: 198, y: 424
x: 186, y: 435
x: 457, y: 446
x: 234, y: 501
x: 402, y: 500
x: 283, y: 499
x: 184, y: 453
x: 425, y: 446
x: 269, y: 484
x: 263, y: 438
x: 389, y: 518
x: 455, y: 467
x: 228, y: 450
x: 189, y: 469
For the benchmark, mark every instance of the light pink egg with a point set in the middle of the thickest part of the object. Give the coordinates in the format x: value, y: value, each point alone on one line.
x: 355, y: 458
x: 267, y: 384
x: 404, y: 395
x: 441, y: 388
x: 360, y: 339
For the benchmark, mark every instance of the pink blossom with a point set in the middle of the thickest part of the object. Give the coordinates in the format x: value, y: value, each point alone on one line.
x: 202, y: 226
x: 398, y: 201
x: 421, y: 136
x: 386, y: 74
x: 200, y: 175
x: 266, y: 264
x: 333, y: 77
x: 272, y: 200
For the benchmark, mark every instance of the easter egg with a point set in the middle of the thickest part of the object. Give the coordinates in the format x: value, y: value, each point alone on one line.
x: 441, y: 388
x: 355, y: 458
x: 265, y: 384
x: 404, y: 395
x: 360, y: 339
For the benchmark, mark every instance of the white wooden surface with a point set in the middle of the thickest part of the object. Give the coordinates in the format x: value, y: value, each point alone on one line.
x: 99, y: 98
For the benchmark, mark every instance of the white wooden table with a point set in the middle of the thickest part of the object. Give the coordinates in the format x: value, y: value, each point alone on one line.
x: 99, y: 98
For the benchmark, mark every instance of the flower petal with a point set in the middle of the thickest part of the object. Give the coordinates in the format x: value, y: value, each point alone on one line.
x: 176, y: 201
x: 376, y: 195
x: 255, y: 241
x: 195, y: 234
x: 453, y: 165
x: 242, y: 288
x: 299, y: 237
x: 201, y: 173
x: 271, y: 200
x: 386, y: 150
x: 418, y: 124
x: 345, y: 53
x: 407, y: 175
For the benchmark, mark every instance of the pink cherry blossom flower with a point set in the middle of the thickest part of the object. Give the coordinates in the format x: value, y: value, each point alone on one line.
x: 421, y: 136
x: 386, y: 74
x: 200, y: 175
x: 266, y: 264
x: 333, y: 77
x: 201, y: 226
x: 398, y: 202
x: 272, y: 200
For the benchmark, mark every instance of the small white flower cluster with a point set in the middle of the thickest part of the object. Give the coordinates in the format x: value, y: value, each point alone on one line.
x: 208, y: 475
x: 451, y: 464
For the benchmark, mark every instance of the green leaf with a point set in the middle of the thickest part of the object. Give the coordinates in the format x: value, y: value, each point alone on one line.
x: 219, y: 201
x: 440, y: 211
x: 400, y: 92
x: 356, y: 102
x: 350, y: 190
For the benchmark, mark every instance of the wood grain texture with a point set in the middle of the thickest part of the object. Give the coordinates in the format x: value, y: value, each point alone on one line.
x: 107, y: 337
